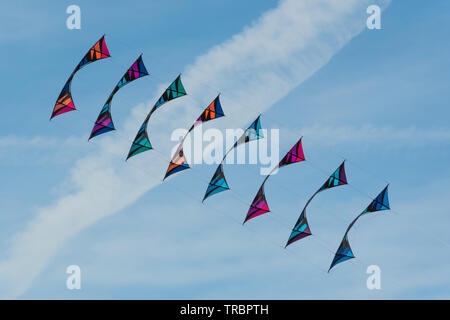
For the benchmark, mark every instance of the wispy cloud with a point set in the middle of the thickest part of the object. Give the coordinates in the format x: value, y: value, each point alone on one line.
x: 256, y: 67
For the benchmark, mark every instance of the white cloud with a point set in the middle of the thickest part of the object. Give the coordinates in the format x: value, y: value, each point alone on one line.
x: 255, y: 68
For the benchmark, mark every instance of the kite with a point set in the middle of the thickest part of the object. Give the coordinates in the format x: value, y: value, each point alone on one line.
x: 259, y: 204
x: 218, y: 182
x: 178, y: 162
x: 301, y: 229
x: 65, y: 103
x: 104, y: 121
x: 344, y: 252
x: 141, y: 142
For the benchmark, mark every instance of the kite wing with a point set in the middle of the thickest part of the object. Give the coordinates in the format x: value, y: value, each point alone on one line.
x: 141, y: 142
x: 294, y: 155
x: 301, y: 229
x: 381, y: 202
x: 98, y: 51
x: 344, y: 252
x: 252, y: 133
x: 64, y: 103
x: 217, y: 184
x: 259, y: 205
x: 175, y: 90
x: 104, y: 121
x: 213, y: 111
x: 178, y: 162
x: 338, y: 178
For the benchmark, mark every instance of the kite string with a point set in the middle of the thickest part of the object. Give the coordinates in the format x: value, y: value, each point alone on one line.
x: 206, y: 84
x: 350, y: 185
x: 280, y: 223
x: 197, y: 103
x: 190, y: 196
x: 230, y: 97
x: 234, y: 101
x: 235, y: 195
x: 355, y: 189
x: 288, y: 251
x: 351, y: 161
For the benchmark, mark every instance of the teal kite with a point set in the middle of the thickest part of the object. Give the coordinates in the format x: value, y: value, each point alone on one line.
x: 141, y: 142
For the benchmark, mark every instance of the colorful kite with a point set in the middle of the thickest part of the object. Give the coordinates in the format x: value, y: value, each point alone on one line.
x: 301, y: 229
x: 259, y: 204
x: 344, y: 252
x: 104, y: 121
x: 141, y: 142
x: 218, y: 182
x: 64, y: 103
x: 178, y: 162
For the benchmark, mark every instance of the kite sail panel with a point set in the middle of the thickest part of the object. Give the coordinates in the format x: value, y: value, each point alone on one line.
x: 178, y: 162
x: 64, y: 103
x: 217, y: 184
x: 175, y: 90
x: 381, y: 202
x: 141, y: 142
x: 253, y: 132
x: 259, y: 204
x: 213, y: 111
x: 294, y: 155
x: 344, y: 252
x: 104, y: 121
x: 98, y: 51
x: 338, y: 178
x: 301, y: 228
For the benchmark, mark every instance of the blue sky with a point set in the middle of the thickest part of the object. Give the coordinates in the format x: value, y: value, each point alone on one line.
x: 377, y: 98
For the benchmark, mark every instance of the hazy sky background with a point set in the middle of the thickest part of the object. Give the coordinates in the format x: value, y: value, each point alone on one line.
x: 376, y: 98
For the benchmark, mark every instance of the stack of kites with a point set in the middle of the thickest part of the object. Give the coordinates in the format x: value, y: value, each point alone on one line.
x: 178, y: 163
